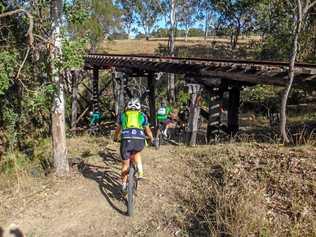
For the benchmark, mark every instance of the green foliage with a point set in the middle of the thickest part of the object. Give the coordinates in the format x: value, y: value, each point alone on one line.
x: 118, y: 36
x: 127, y: 10
x: 274, y: 21
x: 183, y: 97
x: 73, y: 52
x: 39, y: 99
x: 147, y: 12
x: 266, y: 98
x: 10, y: 118
x: 163, y: 33
x: 13, y: 162
x: 258, y: 93
x: 76, y: 13
x: 92, y: 19
x: 7, y: 66
x: 2, y: 7
x: 236, y: 16
x: 275, y: 48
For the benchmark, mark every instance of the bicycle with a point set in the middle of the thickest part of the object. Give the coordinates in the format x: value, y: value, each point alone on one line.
x: 131, y: 186
x: 161, y: 138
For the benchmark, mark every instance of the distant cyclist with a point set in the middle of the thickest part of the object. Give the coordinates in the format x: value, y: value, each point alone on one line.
x: 164, y: 117
x: 132, y: 125
x: 95, y: 118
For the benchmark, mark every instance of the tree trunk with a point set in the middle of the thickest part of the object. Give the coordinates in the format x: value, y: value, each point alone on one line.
x: 298, y: 25
x: 171, y: 85
x: 58, y: 110
x: 115, y: 90
x: 194, y: 115
x: 171, y: 88
x: 152, y: 105
x: 235, y: 38
x: 74, y: 106
x: 186, y: 34
x: 206, y: 27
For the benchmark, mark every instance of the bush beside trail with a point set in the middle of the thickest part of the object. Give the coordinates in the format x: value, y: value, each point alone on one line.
x: 250, y: 190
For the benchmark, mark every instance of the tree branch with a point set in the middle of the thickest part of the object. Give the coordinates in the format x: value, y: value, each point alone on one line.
x: 29, y: 32
x: 23, y: 62
x: 312, y: 5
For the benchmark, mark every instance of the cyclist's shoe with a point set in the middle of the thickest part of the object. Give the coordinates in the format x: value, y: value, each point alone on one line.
x: 141, y: 175
x: 124, y: 190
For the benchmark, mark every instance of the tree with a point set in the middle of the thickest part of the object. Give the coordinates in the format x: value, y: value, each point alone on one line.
x: 302, y: 8
x: 94, y: 19
x: 58, y: 111
x: 171, y: 44
x: 237, y: 16
x: 169, y: 8
x: 127, y: 8
x: 205, y: 10
x: 273, y: 21
x: 147, y: 13
x: 187, y: 15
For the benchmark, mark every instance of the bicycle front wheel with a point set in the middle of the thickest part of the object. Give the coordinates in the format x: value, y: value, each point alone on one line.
x: 131, y: 190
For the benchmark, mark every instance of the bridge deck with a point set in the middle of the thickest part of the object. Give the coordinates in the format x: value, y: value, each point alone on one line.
x: 208, y: 71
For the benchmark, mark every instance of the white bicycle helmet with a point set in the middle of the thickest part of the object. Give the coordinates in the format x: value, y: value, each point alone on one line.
x: 133, y: 104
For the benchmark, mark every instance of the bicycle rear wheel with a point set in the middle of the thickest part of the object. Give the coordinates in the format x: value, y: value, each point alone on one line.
x: 131, y: 190
x: 157, y: 142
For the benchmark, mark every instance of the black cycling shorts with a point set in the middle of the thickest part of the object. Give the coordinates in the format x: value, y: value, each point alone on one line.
x: 131, y: 146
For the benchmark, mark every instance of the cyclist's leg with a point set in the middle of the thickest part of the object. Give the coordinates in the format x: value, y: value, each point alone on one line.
x: 138, y: 161
x: 168, y: 124
x: 124, y: 170
x: 164, y: 125
x: 138, y: 146
x: 125, y: 155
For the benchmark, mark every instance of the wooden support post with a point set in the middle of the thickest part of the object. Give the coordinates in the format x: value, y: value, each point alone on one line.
x: 194, y: 113
x: 214, y: 119
x: 95, y: 90
x: 151, y: 80
x: 121, y: 92
x: 74, y: 106
x: 233, y: 110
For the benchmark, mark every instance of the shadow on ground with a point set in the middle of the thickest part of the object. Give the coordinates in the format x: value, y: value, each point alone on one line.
x: 107, y: 178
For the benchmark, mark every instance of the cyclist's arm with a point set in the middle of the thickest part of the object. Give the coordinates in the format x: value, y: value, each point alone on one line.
x: 117, y: 133
x: 149, y: 133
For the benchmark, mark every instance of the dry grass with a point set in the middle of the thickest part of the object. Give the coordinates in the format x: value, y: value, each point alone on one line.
x: 142, y: 46
x: 250, y: 190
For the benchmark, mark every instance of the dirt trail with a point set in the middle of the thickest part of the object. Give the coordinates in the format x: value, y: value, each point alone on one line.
x: 89, y: 202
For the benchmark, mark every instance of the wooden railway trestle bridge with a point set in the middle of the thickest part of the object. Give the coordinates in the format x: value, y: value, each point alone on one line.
x: 215, y: 76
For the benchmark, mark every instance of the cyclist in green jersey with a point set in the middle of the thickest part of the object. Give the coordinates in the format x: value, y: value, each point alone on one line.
x: 163, y: 116
x: 132, y: 125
